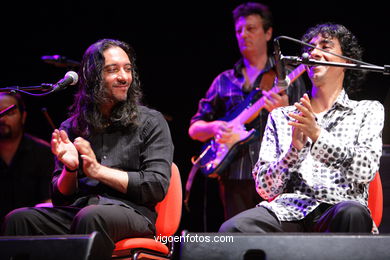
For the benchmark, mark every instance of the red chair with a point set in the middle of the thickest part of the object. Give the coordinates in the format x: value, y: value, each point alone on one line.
x: 375, y: 199
x: 167, y: 223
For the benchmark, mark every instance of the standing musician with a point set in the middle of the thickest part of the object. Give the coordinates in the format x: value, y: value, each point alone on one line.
x: 253, y: 27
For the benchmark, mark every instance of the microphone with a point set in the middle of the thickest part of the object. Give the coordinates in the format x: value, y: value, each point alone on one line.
x: 70, y: 78
x: 60, y: 61
x: 282, y: 80
x: 296, y: 60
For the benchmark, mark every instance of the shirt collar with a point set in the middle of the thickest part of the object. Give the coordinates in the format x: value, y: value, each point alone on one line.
x: 343, y: 100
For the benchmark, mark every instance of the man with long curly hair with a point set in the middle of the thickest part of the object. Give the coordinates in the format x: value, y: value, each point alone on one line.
x: 113, y: 157
x: 318, y: 157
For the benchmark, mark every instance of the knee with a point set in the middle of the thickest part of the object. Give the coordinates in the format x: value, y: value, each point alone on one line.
x: 89, y: 219
x: 238, y: 224
x: 350, y: 216
x: 89, y: 214
x: 15, y: 220
x: 352, y: 209
x: 256, y: 220
x: 17, y: 215
x: 229, y: 226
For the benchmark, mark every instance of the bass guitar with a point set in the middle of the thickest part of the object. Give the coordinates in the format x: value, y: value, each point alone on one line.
x: 216, y: 156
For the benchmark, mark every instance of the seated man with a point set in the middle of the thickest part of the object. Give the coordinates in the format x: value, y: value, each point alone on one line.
x: 318, y: 157
x: 26, y: 162
x: 113, y: 157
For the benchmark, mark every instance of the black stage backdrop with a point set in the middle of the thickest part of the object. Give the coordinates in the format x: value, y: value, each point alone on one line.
x: 181, y: 47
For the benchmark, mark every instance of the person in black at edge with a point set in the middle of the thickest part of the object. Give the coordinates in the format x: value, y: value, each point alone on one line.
x: 113, y: 157
x: 26, y: 162
x: 253, y: 27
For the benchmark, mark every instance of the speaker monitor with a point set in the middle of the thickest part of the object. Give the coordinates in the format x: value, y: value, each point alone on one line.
x: 292, y: 246
x: 75, y: 247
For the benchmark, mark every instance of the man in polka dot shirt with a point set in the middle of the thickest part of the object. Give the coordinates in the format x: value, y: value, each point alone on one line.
x: 318, y: 156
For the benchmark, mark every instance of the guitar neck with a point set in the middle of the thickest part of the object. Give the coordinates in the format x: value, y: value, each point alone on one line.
x: 247, y: 113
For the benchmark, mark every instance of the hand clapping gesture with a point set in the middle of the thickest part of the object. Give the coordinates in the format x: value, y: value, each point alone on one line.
x: 305, y: 124
x: 68, y: 152
x: 64, y: 149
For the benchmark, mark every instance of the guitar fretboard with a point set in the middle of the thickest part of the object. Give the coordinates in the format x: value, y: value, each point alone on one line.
x: 259, y: 104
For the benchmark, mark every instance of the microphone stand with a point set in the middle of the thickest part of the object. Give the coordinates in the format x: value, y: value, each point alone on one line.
x: 44, y: 87
x: 312, y: 62
x: 358, y: 65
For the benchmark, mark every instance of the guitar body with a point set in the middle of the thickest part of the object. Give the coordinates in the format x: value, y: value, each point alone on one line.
x: 216, y: 156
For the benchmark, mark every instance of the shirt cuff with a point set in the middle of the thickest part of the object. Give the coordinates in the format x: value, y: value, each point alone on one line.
x: 134, y: 186
x: 293, y: 155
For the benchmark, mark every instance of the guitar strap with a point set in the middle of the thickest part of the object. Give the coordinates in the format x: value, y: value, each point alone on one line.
x: 267, y: 80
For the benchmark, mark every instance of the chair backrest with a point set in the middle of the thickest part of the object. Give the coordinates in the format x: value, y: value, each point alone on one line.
x: 375, y: 199
x: 169, y: 209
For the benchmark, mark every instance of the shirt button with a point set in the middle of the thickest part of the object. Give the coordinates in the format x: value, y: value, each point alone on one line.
x: 104, y: 157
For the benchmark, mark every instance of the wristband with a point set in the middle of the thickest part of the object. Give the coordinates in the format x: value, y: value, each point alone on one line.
x: 69, y: 170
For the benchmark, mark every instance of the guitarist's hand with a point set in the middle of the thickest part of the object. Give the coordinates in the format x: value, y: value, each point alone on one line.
x: 273, y: 100
x: 222, y: 131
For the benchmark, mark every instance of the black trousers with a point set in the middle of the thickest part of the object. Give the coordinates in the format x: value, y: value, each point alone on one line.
x: 237, y: 196
x: 113, y: 222
x: 347, y: 216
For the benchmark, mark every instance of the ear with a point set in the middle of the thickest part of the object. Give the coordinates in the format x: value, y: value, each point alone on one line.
x: 268, y: 34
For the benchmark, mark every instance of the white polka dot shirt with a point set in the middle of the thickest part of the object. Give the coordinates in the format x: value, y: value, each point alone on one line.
x: 337, y: 167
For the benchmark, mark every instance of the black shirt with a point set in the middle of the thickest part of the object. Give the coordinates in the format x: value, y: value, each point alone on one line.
x: 26, y: 181
x: 145, y: 152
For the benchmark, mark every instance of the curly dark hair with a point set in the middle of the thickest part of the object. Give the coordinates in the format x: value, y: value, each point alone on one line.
x: 85, y: 113
x: 249, y: 8
x: 349, y: 47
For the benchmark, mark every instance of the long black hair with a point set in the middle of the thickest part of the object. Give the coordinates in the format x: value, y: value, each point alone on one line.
x: 85, y: 112
x: 349, y: 47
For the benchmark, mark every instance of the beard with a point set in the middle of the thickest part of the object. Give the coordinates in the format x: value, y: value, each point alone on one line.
x: 116, y: 95
x: 118, y: 92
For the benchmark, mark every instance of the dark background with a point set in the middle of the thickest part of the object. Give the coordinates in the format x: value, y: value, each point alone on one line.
x: 180, y: 48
